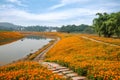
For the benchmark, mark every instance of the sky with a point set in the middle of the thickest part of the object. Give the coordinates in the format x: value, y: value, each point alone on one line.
x: 54, y: 12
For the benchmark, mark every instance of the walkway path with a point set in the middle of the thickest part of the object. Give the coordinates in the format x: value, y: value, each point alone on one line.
x: 63, y: 71
x: 56, y: 68
x: 41, y: 56
x: 99, y: 41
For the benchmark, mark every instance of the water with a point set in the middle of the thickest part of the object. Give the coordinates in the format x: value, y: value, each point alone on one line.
x: 21, y: 48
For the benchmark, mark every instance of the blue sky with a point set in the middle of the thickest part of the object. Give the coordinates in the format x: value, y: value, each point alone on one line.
x: 54, y: 12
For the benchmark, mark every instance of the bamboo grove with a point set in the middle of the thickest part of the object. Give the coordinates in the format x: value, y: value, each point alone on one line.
x: 107, y: 24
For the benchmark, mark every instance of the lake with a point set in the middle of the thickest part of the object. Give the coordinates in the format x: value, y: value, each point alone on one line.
x: 19, y: 49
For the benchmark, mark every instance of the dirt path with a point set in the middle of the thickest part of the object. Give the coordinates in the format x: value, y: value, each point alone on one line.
x: 84, y: 37
x: 41, y: 56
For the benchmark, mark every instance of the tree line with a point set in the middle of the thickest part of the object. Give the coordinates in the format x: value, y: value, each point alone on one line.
x: 39, y: 28
x: 76, y: 29
x: 35, y: 28
x: 107, y: 25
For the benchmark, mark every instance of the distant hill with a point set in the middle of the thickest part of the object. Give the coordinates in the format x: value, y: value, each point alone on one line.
x: 11, y: 27
x: 8, y: 26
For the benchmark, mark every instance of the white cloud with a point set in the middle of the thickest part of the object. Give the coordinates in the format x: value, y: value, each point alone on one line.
x: 11, y: 14
x: 18, y: 2
x: 66, y: 2
x: 60, y: 15
x: 110, y: 4
x: 73, y: 1
x: 56, y: 6
x: 6, y: 6
x: 13, y: 1
x: 85, y: 14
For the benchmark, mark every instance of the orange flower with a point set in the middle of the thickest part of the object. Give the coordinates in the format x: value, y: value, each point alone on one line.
x: 81, y: 54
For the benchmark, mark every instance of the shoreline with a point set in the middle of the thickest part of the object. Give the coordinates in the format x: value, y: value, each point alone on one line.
x: 35, y: 54
x: 32, y: 56
x: 9, y: 37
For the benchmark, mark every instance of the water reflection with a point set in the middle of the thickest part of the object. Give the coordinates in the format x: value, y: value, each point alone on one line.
x: 21, y: 48
x: 35, y: 37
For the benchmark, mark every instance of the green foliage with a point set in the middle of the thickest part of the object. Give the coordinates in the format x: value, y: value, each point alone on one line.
x: 35, y: 28
x: 74, y: 28
x: 107, y: 24
x: 118, y: 56
x: 81, y: 71
x: 39, y: 28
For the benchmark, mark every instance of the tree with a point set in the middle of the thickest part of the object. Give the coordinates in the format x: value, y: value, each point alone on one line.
x: 117, y: 23
x: 107, y: 24
x: 74, y: 28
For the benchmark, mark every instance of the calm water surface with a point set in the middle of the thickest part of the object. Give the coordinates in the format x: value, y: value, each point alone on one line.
x: 21, y: 48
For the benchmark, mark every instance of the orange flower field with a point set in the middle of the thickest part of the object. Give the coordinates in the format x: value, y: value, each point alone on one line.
x: 6, y: 37
x: 27, y: 71
x: 108, y: 40
x: 95, y: 60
